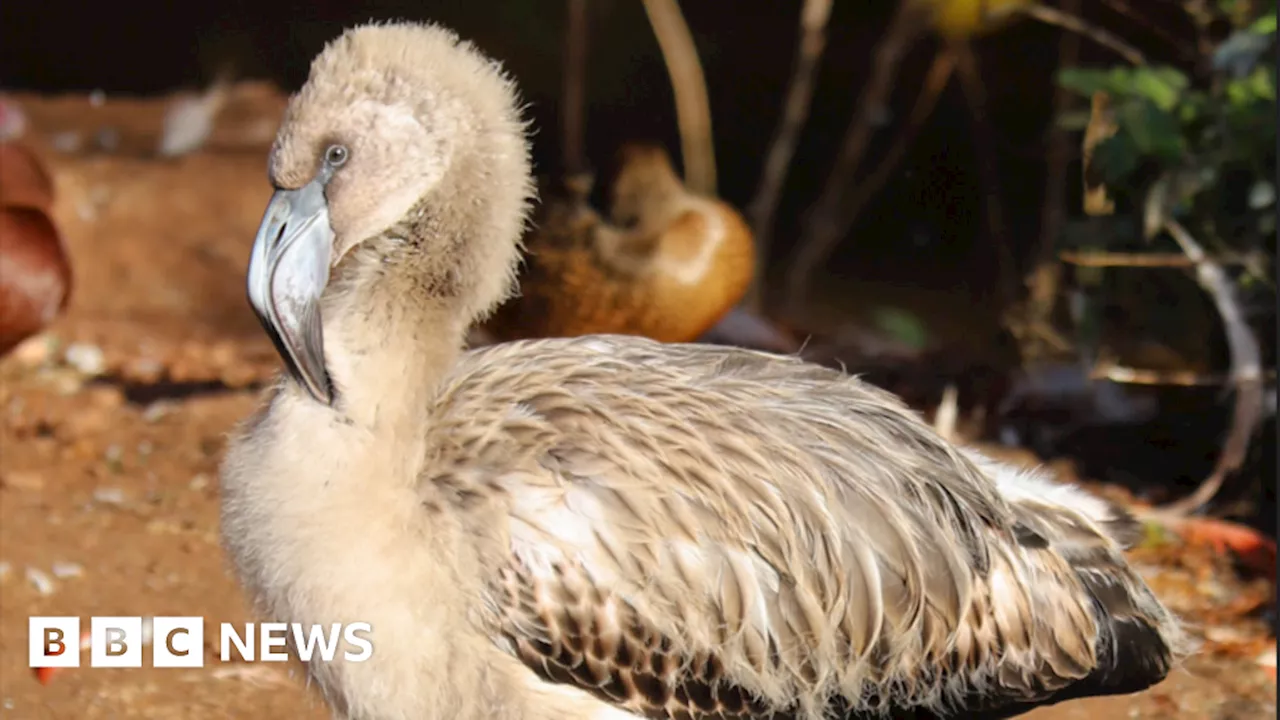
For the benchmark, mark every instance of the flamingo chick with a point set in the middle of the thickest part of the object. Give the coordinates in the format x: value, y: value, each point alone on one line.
x: 607, y: 527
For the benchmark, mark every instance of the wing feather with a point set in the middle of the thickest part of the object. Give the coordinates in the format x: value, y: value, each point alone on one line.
x: 802, y: 545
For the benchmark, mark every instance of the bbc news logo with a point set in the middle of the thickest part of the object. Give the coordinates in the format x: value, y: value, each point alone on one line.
x: 178, y: 642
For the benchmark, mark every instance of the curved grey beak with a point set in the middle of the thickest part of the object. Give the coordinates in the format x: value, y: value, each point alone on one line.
x: 288, y: 271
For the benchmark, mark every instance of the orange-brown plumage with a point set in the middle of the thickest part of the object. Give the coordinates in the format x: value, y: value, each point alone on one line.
x: 35, y: 277
x: 667, y: 264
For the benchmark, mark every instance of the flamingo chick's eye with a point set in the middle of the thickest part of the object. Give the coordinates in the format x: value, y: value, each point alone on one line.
x: 336, y: 156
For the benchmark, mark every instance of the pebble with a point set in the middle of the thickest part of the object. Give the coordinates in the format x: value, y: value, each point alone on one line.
x: 88, y: 359
x: 40, y: 581
x: 199, y: 482
x: 64, y: 570
x: 108, y: 139
x: 25, y: 480
x: 146, y: 369
x: 66, y: 142
x: 5, y: 568
x: 109, y: 496
x: 35, y: 351
x: 86, y: 211
x: 157, y: 410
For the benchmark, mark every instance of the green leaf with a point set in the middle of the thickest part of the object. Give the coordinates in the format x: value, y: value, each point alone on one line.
x: 1086, y: 82
x: 1161, y: 85
x: 902, y: 325
x: 1115, y: 158
x: 1265, y: 25
x: 1155, y: 535
x: 1154, y: 131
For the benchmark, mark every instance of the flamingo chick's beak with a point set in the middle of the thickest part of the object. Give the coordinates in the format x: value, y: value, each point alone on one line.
x: 288, y: 272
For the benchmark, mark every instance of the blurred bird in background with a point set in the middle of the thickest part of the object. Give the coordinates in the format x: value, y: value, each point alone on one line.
x: 35, y: 275
x: 665, y: 263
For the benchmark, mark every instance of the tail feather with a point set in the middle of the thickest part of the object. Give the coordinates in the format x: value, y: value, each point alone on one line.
x: 1077, y: 540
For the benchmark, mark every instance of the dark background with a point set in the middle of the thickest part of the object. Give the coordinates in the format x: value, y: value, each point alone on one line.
x: 924, y: 228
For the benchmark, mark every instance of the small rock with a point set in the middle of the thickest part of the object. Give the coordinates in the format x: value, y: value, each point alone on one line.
x: 108, y: 496
x: 89, y: 422
x: 156, y: 410
x: 162, y: 526
x: 114, y: 457
x: 5, y: 568
x: 67, y: 382
x: 25, y: 480
x: 35, y: 351
x: 64, y: 570
x: 105, y: 397
x: 97, y: 98
x: 107, y: 139
x: 86, y: 211
x: 40, y: 581
x: 88, y: 359
x: 66, y: 142
x: 199, y: 482
x: 145, y: 369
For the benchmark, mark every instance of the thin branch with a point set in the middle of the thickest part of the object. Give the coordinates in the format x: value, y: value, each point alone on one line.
x: 1043, y: 281
x: 1053, y: 214
x: 693, y: 108
x: 813, y: 39
x: 1144, y: 260
x: 575, y: 69
x: 1102, y: 125
x: 1246, y: 369
x: 1122, y: 7
x: 1201, y: 16
x: 985, y: 149
x: 1058, y: 18
x: 1140, y: 376
x: 820, y: 233
x: 939, y: 74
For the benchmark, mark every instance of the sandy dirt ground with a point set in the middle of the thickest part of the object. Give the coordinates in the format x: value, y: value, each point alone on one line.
x: 115, y: 420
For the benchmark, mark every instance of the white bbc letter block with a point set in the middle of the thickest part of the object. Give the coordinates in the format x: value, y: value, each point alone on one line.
x: 177, y: 642
x: 115, y: 642
x: 53, y: 642
x: 271, y: 636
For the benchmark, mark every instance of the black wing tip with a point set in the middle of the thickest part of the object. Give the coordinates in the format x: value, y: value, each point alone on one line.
x: 1124, y: 527
x: 1136, y: 657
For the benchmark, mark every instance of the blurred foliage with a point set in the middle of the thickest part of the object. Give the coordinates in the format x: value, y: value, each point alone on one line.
x: 902, y: 325
x: 1198, y: 142
x: 1199, y: 147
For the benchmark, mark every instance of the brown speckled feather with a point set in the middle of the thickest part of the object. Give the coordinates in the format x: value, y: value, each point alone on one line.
x: 708, y: 532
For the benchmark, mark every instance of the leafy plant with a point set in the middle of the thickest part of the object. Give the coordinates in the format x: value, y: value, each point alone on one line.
x: 1190, y: 158
x: 1196, y: 142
